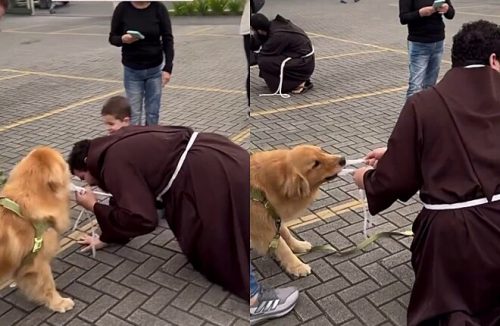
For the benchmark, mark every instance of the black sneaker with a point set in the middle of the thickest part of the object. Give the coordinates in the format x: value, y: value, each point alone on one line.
x: 273, y: 303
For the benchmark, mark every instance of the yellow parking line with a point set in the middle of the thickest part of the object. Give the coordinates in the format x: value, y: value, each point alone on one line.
x: 192, y: 88
x: 200, y: 30
x: 405, y: 52
x: 476, y: 14
x: 329, y: 101
x: 63, y: 31
x: 13, y: 76
x: 348, y: 54
x: 52, y: 112
x: 239, y: 138
x: 53, y: 33
x: 22, y: 28
x: 334, y: 213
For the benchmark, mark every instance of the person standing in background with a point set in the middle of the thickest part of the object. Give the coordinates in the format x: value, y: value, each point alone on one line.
x: 425, y: 39
x: 4, y: 5
x: 143, y: 30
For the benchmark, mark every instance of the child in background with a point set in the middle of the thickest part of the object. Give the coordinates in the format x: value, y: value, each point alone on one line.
x: 116, y: 113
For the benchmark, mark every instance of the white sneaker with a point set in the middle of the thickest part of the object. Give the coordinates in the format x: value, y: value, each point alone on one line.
x: 273, y: 303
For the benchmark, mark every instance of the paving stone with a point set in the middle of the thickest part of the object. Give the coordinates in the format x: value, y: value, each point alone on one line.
x: 328, y: 288
x: 379, y: 274
x: 367, y: 312
x: 12, y: 316
x: 94, y: 274
x: 395, y: 312
x: 175, y: 263
x: 120, y: 272
x: 97, y: 308
x: 211, y: 314
x: 237, y: 307
x: 215, y: 295
x: 82, y: 292
x: 351, y: 272
x: 356, y: 291
x: 132, y: 254
x: 148, y: 267
x: 335, y: 309
x: 140, y: 284
x: 68, y: 277
x: 180, y: 317
x: 110, y: 320
x: 35, y: 317
x: 113, y: 289
x: 188, y: 297
x: 140, y: 317
x: 128, y: 304
x: 159, y: 300
x: 306, y: 308
x: 388, y: 293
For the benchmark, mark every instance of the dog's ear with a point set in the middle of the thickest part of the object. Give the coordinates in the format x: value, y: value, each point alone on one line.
x: 295, y: 185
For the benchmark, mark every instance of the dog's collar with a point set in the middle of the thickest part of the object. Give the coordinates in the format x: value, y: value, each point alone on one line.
x: 258, y: 195
x: 39, y: 226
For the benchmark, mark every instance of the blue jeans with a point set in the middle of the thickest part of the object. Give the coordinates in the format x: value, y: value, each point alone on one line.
x: 144, y: 87
x: 254, y: 285
x: 425, y: 59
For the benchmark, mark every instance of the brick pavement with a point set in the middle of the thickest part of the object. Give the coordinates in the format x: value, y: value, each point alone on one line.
x: 359, y: 88
x: 55, y: 74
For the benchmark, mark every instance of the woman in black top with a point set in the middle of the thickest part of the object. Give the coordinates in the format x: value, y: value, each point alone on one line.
x: 146, y: 56
x: 425, y: 39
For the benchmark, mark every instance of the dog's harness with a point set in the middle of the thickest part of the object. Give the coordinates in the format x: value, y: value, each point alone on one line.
x: 39, y: 226
x: 259, y: 196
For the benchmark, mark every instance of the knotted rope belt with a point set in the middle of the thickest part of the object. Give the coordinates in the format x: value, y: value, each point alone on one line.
x: 282, y: 68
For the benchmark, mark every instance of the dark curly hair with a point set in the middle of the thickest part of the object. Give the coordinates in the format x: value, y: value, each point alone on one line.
x: 474, y: 43
x: 77, y: 157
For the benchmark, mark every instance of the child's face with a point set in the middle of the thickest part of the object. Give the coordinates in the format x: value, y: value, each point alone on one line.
x: 113, y: 124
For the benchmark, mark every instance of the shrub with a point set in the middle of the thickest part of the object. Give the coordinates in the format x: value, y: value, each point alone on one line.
x: 218, y: 6
x: 236, y: 6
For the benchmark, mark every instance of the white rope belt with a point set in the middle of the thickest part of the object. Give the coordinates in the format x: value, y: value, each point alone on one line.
x: 367, y: 217
x: 179, y: 165
x: 282, y: 68
x: 465, y: 204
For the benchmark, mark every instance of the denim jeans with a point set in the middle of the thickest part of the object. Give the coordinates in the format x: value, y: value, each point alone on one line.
x: 425, y: 59
x: 143, y: 88
x: 254, y: 285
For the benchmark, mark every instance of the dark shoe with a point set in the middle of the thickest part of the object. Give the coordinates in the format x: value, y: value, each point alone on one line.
x: 343, y: 1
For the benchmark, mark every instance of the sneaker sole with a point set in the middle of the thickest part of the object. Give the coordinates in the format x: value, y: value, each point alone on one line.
x: 265, y: 318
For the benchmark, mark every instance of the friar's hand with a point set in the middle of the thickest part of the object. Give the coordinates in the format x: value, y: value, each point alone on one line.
x: 359, y: 175
x: 86, y: 198
x: 88, y: 241
x: 375, y: 155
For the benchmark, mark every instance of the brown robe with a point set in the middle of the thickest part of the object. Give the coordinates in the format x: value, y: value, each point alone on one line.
x: 446, y: 144
x: 206, y: 207
x: 285, y: 40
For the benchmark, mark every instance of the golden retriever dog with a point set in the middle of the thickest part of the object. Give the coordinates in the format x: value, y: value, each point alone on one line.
x: 290, y: 180
x: 39, y: 184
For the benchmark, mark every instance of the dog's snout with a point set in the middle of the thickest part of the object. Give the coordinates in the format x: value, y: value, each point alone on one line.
x: 342, y: 161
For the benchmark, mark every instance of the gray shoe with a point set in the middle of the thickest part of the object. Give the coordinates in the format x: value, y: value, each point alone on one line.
x: 273, y: 303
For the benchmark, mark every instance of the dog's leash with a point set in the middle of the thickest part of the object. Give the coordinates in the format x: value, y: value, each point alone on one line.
x: 367, y: 223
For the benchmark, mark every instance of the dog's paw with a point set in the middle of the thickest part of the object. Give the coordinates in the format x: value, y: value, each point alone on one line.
x: 62, y: 305
x: 299, y: 270
x: 301, y: 246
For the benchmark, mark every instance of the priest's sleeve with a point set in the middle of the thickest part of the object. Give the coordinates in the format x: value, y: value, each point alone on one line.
x: 133, y: 212
x: 397, y: 175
